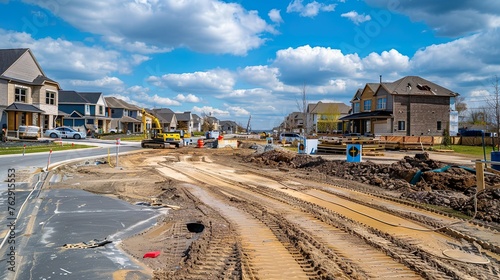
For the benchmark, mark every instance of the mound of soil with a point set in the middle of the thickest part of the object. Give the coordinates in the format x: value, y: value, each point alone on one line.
x: 416, y: 178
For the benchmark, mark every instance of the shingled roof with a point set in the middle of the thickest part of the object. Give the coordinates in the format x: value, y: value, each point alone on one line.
x: 415, y: 85
x: 71, y: 96
x: 8, y: 57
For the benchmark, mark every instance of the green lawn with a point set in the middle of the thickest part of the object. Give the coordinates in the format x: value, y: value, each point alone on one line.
x: 124, y: 137
x: 476, y: 151
x: 41, y: 148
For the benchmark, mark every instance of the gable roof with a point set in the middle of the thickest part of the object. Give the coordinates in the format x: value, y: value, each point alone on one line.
x: 183, y: 117
x: 9, y: 57
x: 165, y: 114
x: 113, y: 102
x: 415, y: 85
x: 321, y: 107
x: 71, y: 96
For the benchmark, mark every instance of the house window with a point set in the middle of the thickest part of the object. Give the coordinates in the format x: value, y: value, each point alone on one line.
x: 439, y: 125
x: 367, y: 105
x: 101, y: 110
x: 382, y: 103
x: 87, y: 109
x: 355, y: 108
x: 20, y: 95
x: 401, y: 125
x: 50, y: 97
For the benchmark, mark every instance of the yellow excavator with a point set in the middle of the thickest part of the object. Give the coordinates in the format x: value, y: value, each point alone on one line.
x: 157, y: 138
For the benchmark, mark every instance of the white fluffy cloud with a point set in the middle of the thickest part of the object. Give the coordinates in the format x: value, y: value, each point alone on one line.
x: 217, y: 80
x: 478, y: 54
x: 72, y: 60
x: 275, y: 16
x: 355, y: 17
x: 191, y: 98
x: 311, y: 9
x: 210, y: 111
x: 448, y: 18
x: 315, y: 65
x: 208, y: 26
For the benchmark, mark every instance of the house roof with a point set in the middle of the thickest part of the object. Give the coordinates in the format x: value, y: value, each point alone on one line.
x: 71, y: 96
x: 113, y: 102
x: 366, y: 115
x: 23, y: 107
x: 165, y: 114
x: 229, y: 123
x: 321, y: 107
x: 9, y: 57
x: 183, y: 117
x: 415, y: 85
x: 127, y: 119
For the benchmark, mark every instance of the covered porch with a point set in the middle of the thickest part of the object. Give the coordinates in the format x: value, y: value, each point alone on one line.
x: 368, y: 123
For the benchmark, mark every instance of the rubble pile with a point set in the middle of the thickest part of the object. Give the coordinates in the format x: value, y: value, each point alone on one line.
x: 417, y: 178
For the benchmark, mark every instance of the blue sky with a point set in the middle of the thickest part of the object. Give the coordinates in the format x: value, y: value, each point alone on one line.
x: 233, y: 59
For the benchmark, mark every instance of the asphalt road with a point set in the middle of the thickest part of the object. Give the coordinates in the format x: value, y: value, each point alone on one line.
x: 36, y: 223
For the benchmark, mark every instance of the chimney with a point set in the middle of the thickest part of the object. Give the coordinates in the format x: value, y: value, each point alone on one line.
x: 380, y: 78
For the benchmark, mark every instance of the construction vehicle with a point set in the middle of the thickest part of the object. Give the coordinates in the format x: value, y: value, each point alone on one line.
x: 158, y: 138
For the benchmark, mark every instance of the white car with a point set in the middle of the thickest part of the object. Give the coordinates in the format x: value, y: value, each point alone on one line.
x: 65, y: 132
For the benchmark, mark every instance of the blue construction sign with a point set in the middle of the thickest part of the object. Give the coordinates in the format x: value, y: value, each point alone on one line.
x: 354, y: 152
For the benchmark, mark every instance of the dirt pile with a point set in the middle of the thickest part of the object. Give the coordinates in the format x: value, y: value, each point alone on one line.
x: 416, y: 178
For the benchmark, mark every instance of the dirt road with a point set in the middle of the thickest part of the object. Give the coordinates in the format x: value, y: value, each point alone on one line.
x: 231, y: 219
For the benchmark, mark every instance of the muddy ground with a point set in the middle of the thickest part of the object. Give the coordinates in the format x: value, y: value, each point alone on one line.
x: 198, y: 242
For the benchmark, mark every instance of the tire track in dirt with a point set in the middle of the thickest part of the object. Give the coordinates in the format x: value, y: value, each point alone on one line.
x: 379, y: 265
x: 406, y: 238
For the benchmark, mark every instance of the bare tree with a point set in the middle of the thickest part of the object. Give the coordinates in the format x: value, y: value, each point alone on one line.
x: 461, y: 108
x: 302, y: 107
x: 494, y: 105
x: 479, y: 116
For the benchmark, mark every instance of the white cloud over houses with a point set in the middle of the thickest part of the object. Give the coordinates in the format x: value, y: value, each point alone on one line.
x: 207, y: 26
x: 315, y: 65
x: 72, y: 60
x: 448, y: 18
x: 310, y: 9
x: 210, y: 111
x: 190, y: 98
x: 217, y: 80
x: 356, y: 18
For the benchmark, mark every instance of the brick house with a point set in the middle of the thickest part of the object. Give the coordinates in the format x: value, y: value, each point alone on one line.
x: 27, y: 96
x: 410, y: 106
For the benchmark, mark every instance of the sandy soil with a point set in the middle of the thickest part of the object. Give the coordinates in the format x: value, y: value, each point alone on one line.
x: 228, y: 217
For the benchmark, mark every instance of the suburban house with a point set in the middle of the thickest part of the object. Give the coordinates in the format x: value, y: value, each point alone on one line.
x: 86, y: 110
x: 125, y: 117
x: 410, y: 106
x: 294, y: 122
x: 27, y: 96
x: 197, y: 123
x: 324, y: 117
x: 229, y: 127
x: 167, y: 118
x: 185, y: 121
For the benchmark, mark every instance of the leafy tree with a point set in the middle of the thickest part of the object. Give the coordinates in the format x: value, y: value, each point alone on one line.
x: 329, y: 119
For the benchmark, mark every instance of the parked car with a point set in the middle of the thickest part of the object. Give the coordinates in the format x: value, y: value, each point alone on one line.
x: 289, y: 137
x: 29, y: 131
x: 65, y: 132
x: 114, y: 130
